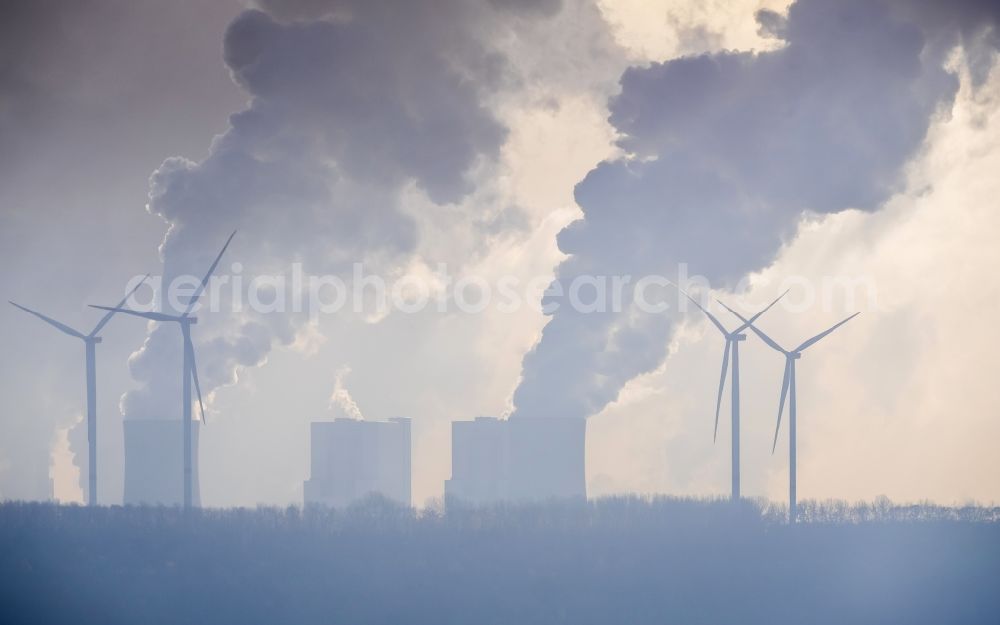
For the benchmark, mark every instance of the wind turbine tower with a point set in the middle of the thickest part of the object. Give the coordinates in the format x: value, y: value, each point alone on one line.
x: 788, y: 391
x: 732, y: 348
x: 189, y: 369
x: 90, y: 342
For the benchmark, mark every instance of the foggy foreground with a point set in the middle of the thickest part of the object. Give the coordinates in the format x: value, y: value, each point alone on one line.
x: 617, y: 560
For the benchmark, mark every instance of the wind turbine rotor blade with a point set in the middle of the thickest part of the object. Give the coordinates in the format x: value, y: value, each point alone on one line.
x: 819, y: 336
x: 208, y: 274
x: 722, y: 386
x: 152, y: 316
x: 194, y: 375
x: 111, y: 313
x: 750, y: 321
x: 49, y: 320
x: 771, y: 343
x: 781, y: 404
x: 710, y: 316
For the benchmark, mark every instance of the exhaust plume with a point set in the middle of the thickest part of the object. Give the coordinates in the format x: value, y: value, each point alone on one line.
x: 724, y: 153
x: 351, y: 104
x: 342, y: 405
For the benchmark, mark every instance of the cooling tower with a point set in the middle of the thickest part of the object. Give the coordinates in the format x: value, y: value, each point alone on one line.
x: 154, y: 462
x: 478, y: 461
x: 517, y: 460
x: 547, y: 458
x: 351, y: 459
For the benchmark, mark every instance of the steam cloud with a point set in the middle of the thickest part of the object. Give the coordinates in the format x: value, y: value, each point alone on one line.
x: 341, y: 403
x: 351, y: 103
x: 726, y: 151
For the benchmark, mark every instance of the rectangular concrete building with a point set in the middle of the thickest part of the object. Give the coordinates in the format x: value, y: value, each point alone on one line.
x: 351, y: 459
x: 517, y: 460
x: 479, y: 452
x: 154, y: 462
x: 547, y: 458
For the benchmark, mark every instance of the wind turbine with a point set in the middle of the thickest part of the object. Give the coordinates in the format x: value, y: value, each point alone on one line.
x: 189, y: 371
x: 733, y: 340
x: 788, y: 390
x: 90, y: 342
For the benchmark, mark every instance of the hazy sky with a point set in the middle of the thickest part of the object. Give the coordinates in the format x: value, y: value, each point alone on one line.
x: 830, y: 141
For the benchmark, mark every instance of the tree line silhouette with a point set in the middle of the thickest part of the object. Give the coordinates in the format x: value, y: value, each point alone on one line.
x: 611, y: 560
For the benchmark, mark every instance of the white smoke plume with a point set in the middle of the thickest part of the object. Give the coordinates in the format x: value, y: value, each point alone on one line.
x: 342, y: 405
x: 351, y: 103
x: 723, y: 154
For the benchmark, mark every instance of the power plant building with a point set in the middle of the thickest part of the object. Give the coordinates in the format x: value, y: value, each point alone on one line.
x: 352, y: 459
x: 479, y: 460
x: 517, y: 460
x: 154, y: 462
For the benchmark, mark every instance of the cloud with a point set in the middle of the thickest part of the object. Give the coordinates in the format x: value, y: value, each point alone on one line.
x: 354, y: 106
x: 896, y: 402
x: 724, y: 153
x: 973, y: 24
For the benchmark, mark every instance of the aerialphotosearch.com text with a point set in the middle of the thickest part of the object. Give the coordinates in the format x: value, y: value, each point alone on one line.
x: 361, y: 292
